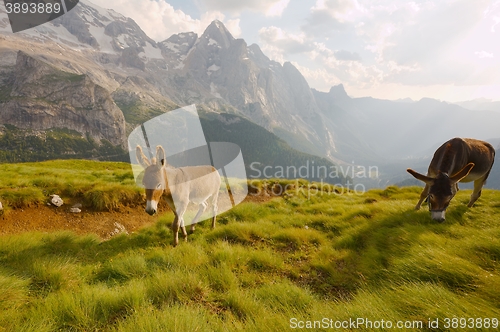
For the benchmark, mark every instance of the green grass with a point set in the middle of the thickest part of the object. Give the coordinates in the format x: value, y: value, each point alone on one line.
x: 330, y: 256
x: 101, y: 186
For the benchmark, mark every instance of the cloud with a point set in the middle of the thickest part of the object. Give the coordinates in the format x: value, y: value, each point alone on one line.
x: 427, y: 43
x: 288, y: 43
x: 277, y: 8
x: 333, y: 15
x: 493, y: 13
x: 269, y: 8
x: 495, y: 19
x: 483, y: 54
x: 366, y: 45
x: 340, y: 10
x: 160, y: 20
x: 233, y: 26
x: 352, y: 72
x: 274, y: 53
x: 319, y: 78
x: 280, y: 41
x: 332, y: 72
x: 347, y: 56
x: 334, y: 65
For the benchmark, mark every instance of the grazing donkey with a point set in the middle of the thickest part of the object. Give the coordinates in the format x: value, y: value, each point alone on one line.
x: 197, y: 184
x: 465, y: 160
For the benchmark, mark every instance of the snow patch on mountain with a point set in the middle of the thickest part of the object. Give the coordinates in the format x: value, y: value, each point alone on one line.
x: 212, y: 68
x: 105, y: 42
x: 213, y: 90
x: 151, y: 52
x: 212, y: 42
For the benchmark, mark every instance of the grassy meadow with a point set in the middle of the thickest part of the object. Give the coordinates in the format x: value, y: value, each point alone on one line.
x: 100, y: 186
x: 293, y: 261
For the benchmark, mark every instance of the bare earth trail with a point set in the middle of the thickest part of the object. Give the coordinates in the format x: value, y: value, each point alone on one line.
x: 49, y: 219
x: 52, y: 219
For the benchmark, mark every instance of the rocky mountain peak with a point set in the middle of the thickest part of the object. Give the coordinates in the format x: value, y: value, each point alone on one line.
x: 180, y: 39
x: 216, y: 34
x: 338, y: 92
x: 92, y: 28
x: 178, y: 45
x: 256, y: 54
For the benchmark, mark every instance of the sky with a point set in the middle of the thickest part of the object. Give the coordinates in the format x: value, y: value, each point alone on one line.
x: 389, y: 49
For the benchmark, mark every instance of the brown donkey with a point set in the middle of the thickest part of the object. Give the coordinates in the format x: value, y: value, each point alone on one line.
x: 458, y: 160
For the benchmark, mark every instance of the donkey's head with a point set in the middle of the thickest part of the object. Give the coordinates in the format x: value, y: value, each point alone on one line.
x: 442, y: 189
x: 155, y: 178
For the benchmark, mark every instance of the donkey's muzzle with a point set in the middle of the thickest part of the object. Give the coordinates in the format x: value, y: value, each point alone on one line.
x: 151, y: 207
x: 151, y: 212
x: 438, y: 215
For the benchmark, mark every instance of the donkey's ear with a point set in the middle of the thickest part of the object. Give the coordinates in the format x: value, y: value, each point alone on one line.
x: 160, y: 156
x: 421, y: 177
x: 141, y: 158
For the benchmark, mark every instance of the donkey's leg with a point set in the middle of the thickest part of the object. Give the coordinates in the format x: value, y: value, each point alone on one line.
x: 476, y: 193
x: 183, y: 228
x: 203, y: 207
x: 423, y: 196
x: 175, y: 229
x: 215, y: 207
x: 180, y: 224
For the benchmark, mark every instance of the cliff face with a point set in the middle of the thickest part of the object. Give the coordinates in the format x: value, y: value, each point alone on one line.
x: 38, y: 96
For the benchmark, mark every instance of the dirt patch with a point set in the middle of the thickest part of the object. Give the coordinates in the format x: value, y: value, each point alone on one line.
x: 52, y: 219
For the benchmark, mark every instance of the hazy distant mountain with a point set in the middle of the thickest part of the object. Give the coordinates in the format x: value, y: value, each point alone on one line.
x: 480, y: 104
x: 261, y: 149
x: 381, y: 130
x: 494, y: 177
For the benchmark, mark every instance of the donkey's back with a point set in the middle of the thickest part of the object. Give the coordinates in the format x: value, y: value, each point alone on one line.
x: 195, y: 183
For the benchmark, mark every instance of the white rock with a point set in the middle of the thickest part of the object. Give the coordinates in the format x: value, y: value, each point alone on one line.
x: 75, y: 210
x: 56, y: 200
